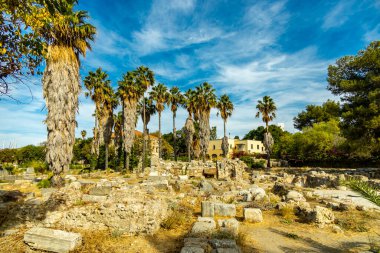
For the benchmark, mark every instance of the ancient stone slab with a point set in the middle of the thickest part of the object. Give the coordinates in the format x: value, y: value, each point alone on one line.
x: 253, y: 215
x: 221, y: 209
x: 101, y: 191
x: 195, y: 242
x: 52, y: 240
x: 192, y: 250
x: 257, y: 192
x: 205, y: 225
x: 207, y: 209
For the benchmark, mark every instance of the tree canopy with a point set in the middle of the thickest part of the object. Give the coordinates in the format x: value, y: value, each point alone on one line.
x: 316, y: 114
x: 356, y: 79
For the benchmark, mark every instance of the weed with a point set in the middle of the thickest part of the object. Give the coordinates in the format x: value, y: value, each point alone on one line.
x: 179, y: 215
x: 44, y: 183
x: 287, y: 212
x: 222, y: 235
x: 348, y: 223
x: 79, y: 202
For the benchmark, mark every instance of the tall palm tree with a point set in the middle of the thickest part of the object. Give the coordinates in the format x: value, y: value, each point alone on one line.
x: 175, y: 98
x: 83, y: 133
x: 267, y: 108
x: 146, y: 109
x: 189, y: 129
x: 205, y: 100
x: 68, y: 36
x: 106, y: 118
x: 131, y: 88
x: 98, y: 85
x: 159, y: 94
x: 225, y: 108
x: 118, y: 130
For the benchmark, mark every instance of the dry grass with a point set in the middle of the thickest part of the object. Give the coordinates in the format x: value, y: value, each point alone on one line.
x: 287, y: 212
x: 356, y: 221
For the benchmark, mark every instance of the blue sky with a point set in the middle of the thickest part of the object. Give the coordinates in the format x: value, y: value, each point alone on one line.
x: 246, y: 49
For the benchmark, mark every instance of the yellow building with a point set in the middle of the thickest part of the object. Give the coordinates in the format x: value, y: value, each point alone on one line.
x: 235, y: 145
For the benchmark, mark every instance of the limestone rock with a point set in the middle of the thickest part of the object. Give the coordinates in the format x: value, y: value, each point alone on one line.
x: 93, y: 198
x: 187, y: 249
x: 253, y: 215
x: 221, y: 209
x: 52, y: 240
x: 257, y: 192
x: 207, y: 209
x: 229, y: 225
x: 100, y: 191
x: 295, y: 196
x: 204, y: 225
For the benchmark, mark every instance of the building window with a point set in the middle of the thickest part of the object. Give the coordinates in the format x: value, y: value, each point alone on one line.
x: 262, y: 148
x: 251, y: 146
x: 258, y: 147
x: 213, y: 147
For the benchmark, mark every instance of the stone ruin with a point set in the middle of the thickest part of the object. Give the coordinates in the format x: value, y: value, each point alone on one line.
x: 223, y: 169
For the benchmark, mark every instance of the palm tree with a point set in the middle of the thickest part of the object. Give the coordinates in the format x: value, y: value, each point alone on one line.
x: 159, y: 94
x: 118, y: 130
x: 267, y: 108
x: 146, y: 109
x: 83, y: 133
x: 106, y: 118
x: 67, y: 35
x: 131, y: 88
x: 175, y: 98
x: 225, y: 108
x: 189, y: 129
x: 98, y: 85
x: 205, y: 100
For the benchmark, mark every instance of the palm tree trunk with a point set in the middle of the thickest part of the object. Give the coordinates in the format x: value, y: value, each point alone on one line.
x: 204, y: 128
x: 61, y: 88
x: 129, y: 128
x: 224, y: 128
x: 174, y: 138
x: 106, y: 158
x: 144, y: 139
x: 159, y: 135
x: 268, y: 151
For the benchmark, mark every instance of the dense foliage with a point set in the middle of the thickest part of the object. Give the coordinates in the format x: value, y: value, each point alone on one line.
x: 356, y: 79
x: 315, y: 114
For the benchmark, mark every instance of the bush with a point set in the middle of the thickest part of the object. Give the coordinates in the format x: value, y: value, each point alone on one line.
x: 44, y: 183
x: 252, y: 163
x: 179, y: 215
x: 39, y: 166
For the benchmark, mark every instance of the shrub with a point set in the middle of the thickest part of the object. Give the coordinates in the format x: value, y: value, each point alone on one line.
x: 44, y: 183
x: 179, y: 215
x: 39, y: 166
x: 252, y: 163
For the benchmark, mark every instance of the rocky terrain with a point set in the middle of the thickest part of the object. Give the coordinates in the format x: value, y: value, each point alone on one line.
x: 192, y: 207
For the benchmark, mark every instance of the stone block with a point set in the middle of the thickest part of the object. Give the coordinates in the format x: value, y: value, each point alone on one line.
x: 221, y: 209
x: 229, y: 225
x: 93, y: 198
x: 195, y: 242
x: 207, y: 209
x: 52, y: 240
x: 183, y: 177
x: 192, y: 250
x: 205, y: 225
x: 253, y: 215
x: 101, y: 191
x: 47, y: 192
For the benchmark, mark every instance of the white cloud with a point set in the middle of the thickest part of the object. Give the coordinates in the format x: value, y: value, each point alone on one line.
x: 338, y: 15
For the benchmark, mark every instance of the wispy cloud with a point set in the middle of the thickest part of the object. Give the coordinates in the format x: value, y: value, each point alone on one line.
x: 338, y: 15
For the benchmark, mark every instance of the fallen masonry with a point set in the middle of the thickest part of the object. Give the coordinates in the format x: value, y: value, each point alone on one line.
x: 52, y: 240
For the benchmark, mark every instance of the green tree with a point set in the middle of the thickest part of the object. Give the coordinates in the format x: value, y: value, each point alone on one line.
x: 267, y: 108
x: 213, y: 133
x: 68, y: 36
x: 315, y: 114
x: 99, y: 87
x: 175, y: 99
x: 225, y: 108
x: 189, y: 128
x: 205, y: 101
x: 21, y: 48
x: 356, y: 79
x: 159, y: 94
